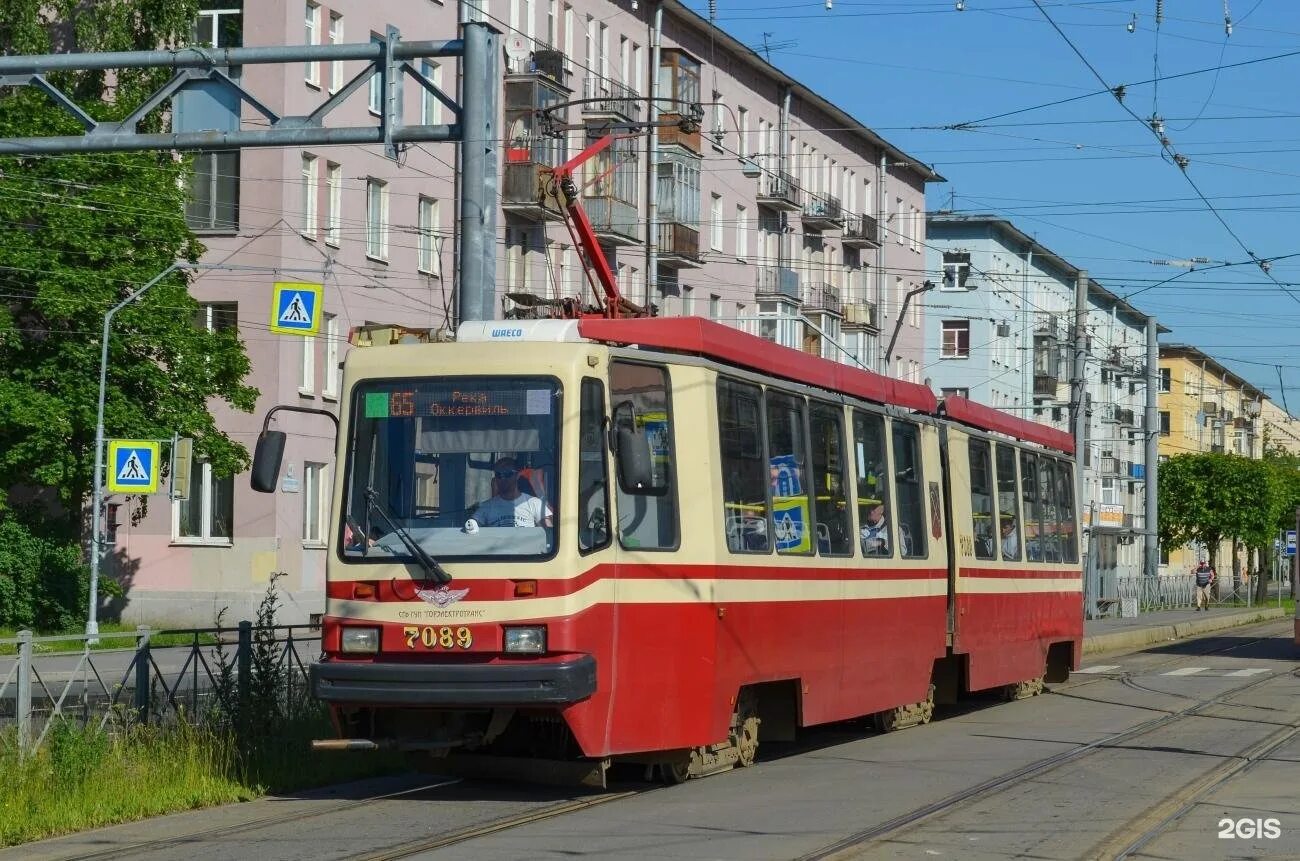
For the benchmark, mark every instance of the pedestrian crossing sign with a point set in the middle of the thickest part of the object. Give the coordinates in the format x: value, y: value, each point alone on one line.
x: 132, y: 466
x: 296, y: 308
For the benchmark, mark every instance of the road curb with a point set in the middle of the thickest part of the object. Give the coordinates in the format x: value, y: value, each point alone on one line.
x: 1139, y: 637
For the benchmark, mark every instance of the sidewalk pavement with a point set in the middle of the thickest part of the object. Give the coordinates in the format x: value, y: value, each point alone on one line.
x: 1104, y: 635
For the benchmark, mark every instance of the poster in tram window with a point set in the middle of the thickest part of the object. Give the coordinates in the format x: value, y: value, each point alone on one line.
x: 785, y: 476
x: 655, y: 426
x: 790, y: 523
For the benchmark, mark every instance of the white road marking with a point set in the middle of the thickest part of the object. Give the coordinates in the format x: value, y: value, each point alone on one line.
x: 1186, y: 671
x: 1100, y: 668
x: 1249, y: 671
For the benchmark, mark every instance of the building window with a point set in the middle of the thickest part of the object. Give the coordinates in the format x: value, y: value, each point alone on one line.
x: 956, y: 269
x: 331, y: 387
x: 956, y: 339
x: 307, y: 371
x: 742, y: 143
x: 315, y: 503
x: 311, y: 37
x: 1164, y: 422
x: 377, y: 219
x: 219, y: 28
x: 334, y: 203
x: 336, y: 38
x: 430, y: 107
x: 430, y: 261
x: 307, y: 217
x: 742, y: 233
x: 715, y: 222
x: 715, y: 306
x: 376, y: 91
x: 207, y: 515
x: 214, y: 192
x: 956, y: 392
x: 778, y: 322
x: 688, y: 301
x: 1164, y: 379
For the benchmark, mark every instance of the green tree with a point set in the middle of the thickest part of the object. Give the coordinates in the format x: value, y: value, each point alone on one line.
x: 79, y: 233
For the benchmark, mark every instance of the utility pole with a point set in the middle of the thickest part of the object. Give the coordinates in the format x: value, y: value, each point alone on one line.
x: 1079, y: 400
x: 1152, y: 428
x: 479, y: 180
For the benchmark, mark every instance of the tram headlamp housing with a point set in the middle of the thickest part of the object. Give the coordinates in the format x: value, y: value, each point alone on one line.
x: 359, y: 641
x: 529, y: 640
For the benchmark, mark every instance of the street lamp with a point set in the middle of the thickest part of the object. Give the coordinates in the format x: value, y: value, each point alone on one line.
x: 902, y: 312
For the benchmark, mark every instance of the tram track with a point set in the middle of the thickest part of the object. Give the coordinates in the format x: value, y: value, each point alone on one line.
x: 850, y: 845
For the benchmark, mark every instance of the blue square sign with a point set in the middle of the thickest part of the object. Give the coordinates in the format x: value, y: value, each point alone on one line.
x: 296, y: 308
x: 132, y: 466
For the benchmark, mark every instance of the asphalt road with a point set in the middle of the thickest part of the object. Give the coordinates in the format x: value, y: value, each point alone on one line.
x: 1145, y: 757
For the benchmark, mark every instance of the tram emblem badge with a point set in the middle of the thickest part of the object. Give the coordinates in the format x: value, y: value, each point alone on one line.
x: 442, y: 596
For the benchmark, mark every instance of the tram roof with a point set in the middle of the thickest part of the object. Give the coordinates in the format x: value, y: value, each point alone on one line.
x: 984, y: 417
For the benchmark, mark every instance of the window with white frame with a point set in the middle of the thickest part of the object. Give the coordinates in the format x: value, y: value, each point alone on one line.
x: 307, y: 217
x: 474, y: 10
x: 315, y: 502
x: 334, y: 203
x: 914, y: 234
x: 213, y: 204
x: 1165, y: 375
x: 375, y: 96
x: 914, y: 311
x: 742, y: 232
x: 715, y: 222
x: 778, y: 322
x: 430, y: 262
x: 207, y: 516
x: 311, y: 70
x: 688, y: 301
x: 376, y: 219
x: 956, y: 339
x: 332, y: 371
x: 742, y: 143
x: 1108, y: 495
x: 430, y: 106
x: 307, y: 369
x: 336, y: 38
x: 715, y: 306
x: 956, y: 269
x: 900, y: 228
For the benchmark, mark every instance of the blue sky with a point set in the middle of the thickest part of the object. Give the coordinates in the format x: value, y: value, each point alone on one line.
x: 1085, y: 177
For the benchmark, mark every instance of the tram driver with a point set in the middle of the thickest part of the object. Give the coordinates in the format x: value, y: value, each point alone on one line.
x: 510, y: 506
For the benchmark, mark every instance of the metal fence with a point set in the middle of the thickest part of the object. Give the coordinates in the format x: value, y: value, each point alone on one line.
x: 1166, y: 592
x: 213, y: 670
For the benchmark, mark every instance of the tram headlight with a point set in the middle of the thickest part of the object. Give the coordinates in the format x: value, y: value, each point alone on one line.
x: 526, y: 641
x: 360, y: 641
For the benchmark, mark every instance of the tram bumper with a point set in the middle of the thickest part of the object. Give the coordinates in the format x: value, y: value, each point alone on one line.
x: 548, y: 683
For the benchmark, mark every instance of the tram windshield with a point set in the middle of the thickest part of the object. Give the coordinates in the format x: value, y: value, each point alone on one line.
x: 466, y: 466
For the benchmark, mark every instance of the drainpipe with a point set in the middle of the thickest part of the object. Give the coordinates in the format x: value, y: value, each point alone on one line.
x: 1026, y: 335
x: 652, y: 164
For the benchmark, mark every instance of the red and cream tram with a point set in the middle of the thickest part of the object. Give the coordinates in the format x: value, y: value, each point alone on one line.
x: 706, y: 534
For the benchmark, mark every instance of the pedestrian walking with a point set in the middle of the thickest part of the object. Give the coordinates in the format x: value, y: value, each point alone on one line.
x: 1204, y: 578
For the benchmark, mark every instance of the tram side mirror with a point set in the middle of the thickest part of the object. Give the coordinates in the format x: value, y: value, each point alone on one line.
x: 631, y: 446
x: 266, y: 460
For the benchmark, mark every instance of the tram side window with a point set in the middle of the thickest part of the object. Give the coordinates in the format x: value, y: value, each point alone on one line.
x: 1048, y: 509
x: 831, y: 504
x: 744, y: 475
x: 1065, y: 511
x: 593, y: 480
x: 639, y: 394
x: 787, y: 460
x: 873, y: 485
x: 981, y: 499
x: 1029, y: 495
x: 1008, y: 503
x: 909, y: 486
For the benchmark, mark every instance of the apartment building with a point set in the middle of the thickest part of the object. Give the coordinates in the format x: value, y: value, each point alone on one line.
x: 1204, y: 407
x: 1000, y: 330
x: 777, y: 212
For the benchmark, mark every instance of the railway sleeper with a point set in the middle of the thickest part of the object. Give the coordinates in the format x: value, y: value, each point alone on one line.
x: 902, y: 717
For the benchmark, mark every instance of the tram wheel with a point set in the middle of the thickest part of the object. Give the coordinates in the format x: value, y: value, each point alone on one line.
x: 744, y: 731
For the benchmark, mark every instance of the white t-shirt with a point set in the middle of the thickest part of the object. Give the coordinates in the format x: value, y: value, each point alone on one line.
x: 523, y: 510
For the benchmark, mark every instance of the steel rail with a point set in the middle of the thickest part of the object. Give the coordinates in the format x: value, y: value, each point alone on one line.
x: 1033, y: 769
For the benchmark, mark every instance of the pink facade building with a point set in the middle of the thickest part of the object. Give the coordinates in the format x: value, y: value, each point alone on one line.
x: 781, y: 214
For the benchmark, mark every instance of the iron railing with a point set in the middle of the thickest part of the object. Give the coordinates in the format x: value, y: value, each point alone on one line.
x: 143, y: 683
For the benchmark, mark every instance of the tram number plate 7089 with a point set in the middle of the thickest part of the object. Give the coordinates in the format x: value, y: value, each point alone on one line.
x: 431, y: 637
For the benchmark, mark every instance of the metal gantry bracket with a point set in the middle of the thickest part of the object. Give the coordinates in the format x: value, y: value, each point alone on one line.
x: 388, y: 59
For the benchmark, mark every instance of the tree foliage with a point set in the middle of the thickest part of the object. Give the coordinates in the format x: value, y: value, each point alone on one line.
x: 78, y: 233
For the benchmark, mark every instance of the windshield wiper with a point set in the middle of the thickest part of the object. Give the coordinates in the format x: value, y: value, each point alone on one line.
x: 427, y: 562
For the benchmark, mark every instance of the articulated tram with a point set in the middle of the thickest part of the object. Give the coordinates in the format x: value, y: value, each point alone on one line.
x: 708, y: 539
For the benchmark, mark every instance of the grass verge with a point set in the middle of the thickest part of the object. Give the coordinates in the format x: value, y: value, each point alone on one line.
x: 112, y: 636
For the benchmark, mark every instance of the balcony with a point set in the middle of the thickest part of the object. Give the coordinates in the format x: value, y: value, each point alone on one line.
x: 779, y: 191
x: 528, y: 152
x: 860, y: 314
x: 524, y: 192
x: 1046, y: 385
x: 1125, y: 417
x: 860, y: 231
x: 679, y: 246
x: 615, y: 221
x: 1110, y: 466
x: 674, y: 134
x: 822, y: 212
x: 777, y: 281
x: 820, y: 296
x: 611, y: 99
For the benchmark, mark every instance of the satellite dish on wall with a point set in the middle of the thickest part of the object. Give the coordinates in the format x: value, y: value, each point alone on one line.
x: 517, y: 46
